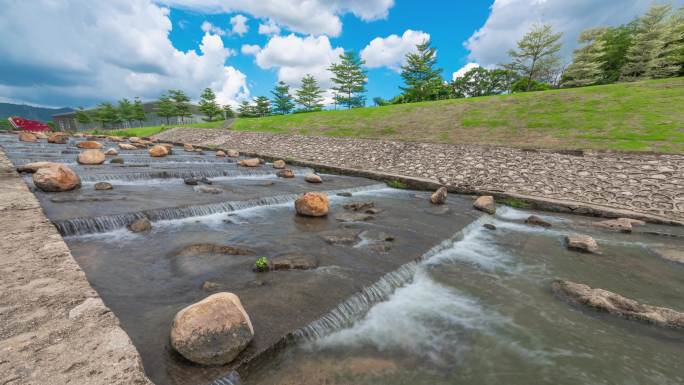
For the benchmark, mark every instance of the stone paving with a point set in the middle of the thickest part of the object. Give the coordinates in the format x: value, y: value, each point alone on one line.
x: 647, y: 183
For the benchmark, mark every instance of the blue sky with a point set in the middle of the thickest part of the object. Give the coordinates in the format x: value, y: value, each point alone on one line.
x: 82, y: 52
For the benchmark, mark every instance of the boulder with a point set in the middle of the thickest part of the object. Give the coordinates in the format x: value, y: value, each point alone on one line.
x: 40, y: 135
x: 169, y: 147
x: 439, y: 197
x: 208, y: 190
x: 212, y: 331
x: 56, y: 178
x: 126, y: 146
x: 90, y: 145
x: 112, y: 151
x: 103, y: 186
x: 581, y: 243
x: 117, y: 160
x: 613, y: 303
x: 134, y: 139
x: 58, y: 138
x: 622, y: 225
x: 191, y: 181
x: 489, y: 226
x: 140, y: 225
x: 313, y: 178
x: 485, y: 203
x: 537, y: 221
x: 294, y: 262
x: 188, y: 147
x: 91, y: 157
x: 116, y: 139
x: 27, y: 137
x: 233, y: 153
x: 35, y: 166
x: 670, y: 253
x: 312, y: 204
x: 286, y: 173
x: 253, y: 162
x: 158, y: 151
x: 279, y: 164
x: 139, y: 145
x: 220, y: 153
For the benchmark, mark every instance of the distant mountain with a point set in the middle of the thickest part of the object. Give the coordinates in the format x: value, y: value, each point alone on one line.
x: 30, y: 112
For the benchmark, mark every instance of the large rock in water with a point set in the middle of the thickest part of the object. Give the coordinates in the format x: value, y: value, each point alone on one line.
x: 27, y: 137
x: 279, y: 164
x: 253, y: 162
x: 485, y: 203
x: 90, y: 144
x: 91, y: 157
x: 158, y: 151
x: 140, y: 225
x: 313, y: 178
x: 58, y: 138
x: 112, y: 151
x: 312, y: 204
x: 212, y: 331
x: 35, y: 166
x: 616, y: 304
x: 439, y: 196
x: 582, y: 243
x: 126, y: 146
x: 56, y: 178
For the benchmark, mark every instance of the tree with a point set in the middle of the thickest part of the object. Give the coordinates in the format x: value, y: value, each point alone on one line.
x: 126, y: 111
x: 423, y: 81
x: 228, y: 112
x: 587, y: 61
x: 245, y: 110
x: 263, y: 106
x: 378, y: 101
x: 349, y: 80
x: 282, y: 100
x: 106, y: 114
x: 181, y: 104
x: 644, y: 56
x: 674, y: 42
x: 482, y: 82
x: 536, y: 58
x: 617, y: 41
x: 309, y: 95
x: 82, y: 116
x: 138, y: 111
x: 208, y: 105
x: 166, y: 108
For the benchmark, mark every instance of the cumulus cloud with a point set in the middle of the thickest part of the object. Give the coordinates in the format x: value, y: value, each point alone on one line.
x: 250, y: 49
x: 269, y: 28
x: 294, y: 56
x: 239, y: 23
x: 208, y: 27
x: 391, y: 51
x: 510, y: 19
x: 303, y: 16
x: 82, y: 52
x: 463, y: 70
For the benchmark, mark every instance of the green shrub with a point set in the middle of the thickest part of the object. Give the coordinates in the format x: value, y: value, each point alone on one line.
x: 397, y: 184
x: 515, y: 203
x: 261, y: 264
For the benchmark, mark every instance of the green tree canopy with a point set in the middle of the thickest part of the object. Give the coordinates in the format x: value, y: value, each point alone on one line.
x: 228, y: 111
x: 82, y: 116
x: 482, y: 82
x: 138, y: 111
x: 166, y: 107
x: 309, y: 96
x: 262, y: 106
x: 246, y: 110
x: 588, y: 61
x: 644, y: 56
x: 181, y: 103
x: 282, y: 100
x: 106, y: 114
x: 208, y: 105
x: 349, y: 80
x: 126, y: 110
x: 423, y: 81
x: 536, y: 57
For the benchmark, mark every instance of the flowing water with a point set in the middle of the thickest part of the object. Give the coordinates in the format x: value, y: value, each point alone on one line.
x: 418, y: 294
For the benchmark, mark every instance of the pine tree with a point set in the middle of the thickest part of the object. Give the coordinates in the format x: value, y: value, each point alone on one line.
x: 166, y: 108
x: 106, y: 114
x: 126, y: 111
x: 644, y: 57
x: 263, y: 106
x: 423, y: 81
x: 588, y: 61
x: 536, y: 59
x: 309, y: 95
x: 181, y: 104
x: 282, y: 100
x: 617, y: 42
x: 245, y: 110
x: 82, y: 116
x: 228, y: 112
x: 674, y: 43
x: 138, y: 111
x: 349, y: 80
x: 208, y: 105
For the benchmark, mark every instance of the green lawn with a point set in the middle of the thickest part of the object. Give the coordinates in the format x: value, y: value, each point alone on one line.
x: 641, y: 116
x: 151, y: 130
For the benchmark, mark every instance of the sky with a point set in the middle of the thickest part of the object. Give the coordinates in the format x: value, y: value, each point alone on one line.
x: 82, y: 52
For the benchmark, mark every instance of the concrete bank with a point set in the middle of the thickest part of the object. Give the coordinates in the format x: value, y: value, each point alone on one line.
x: 54, y: 328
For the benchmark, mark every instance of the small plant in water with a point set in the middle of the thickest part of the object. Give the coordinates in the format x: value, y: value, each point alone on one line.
x: 515, y: 203
x: 261, y: 264
x: 397, y: 184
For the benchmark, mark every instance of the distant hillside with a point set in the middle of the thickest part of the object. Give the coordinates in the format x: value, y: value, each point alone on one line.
x: 30, y: 112
x: 643, y: 116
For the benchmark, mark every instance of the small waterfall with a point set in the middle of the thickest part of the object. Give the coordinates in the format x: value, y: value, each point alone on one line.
x: 105, y: 223
x: 232, y: 378
x: 174, y: 174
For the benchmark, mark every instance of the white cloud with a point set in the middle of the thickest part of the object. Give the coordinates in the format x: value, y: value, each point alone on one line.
x: 208, y: 27
x: 463, y: 70
x: 53, y: 54
x: 239, y: 23
x: 391, y: 51
x: 296, y: 56
x: 303, y: 16
x: 250, y: 49
x: 510, y: 19
x: 269, y: 28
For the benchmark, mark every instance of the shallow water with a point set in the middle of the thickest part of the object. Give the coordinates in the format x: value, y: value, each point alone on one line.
x: 446, y: 301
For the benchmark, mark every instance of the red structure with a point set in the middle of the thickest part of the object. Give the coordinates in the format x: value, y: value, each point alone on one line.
x: 28, y: 125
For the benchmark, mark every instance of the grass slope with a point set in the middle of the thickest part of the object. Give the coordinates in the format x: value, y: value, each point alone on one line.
x: 642, y: 116
x: 151, y: 130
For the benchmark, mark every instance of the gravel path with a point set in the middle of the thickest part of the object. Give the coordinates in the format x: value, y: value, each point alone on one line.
x: 652, y: 184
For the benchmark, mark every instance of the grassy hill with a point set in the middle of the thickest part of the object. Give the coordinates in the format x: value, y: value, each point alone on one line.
x: 30, y: 112
x: 642, y: 116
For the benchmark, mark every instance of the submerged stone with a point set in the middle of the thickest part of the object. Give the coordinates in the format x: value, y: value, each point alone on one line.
x: 341, y: 237
x: 117, y: 160
x: 294, y: 262
x: 537, y: 221
x: 140, y: 225
x: 353, y: 217
x: 359, y: 206
x: 103, y: 186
